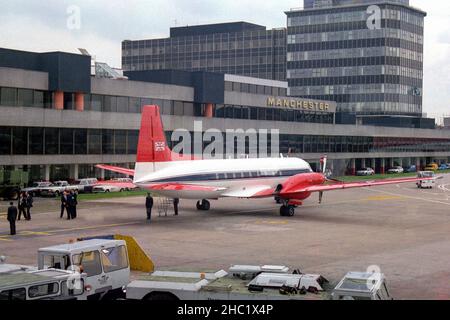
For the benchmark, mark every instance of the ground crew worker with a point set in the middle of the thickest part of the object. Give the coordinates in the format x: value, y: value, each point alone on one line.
x: 22, y: 204
x: 63, y: 204
x: 71, y: 206
x: 149, y: 206
x: 75, y: 204
x: 12, y: 216
x: 29, y: 205
x: 176, y: 202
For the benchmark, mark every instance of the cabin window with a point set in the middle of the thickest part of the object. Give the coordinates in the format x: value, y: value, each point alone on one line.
x: 90, y: 263
x: 114, y: 259
x: 43, y: 290
x: 56, y: 262
x: 14, y: 295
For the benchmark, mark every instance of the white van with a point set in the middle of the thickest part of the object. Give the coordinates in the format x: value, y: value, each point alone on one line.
x: 426, y: 184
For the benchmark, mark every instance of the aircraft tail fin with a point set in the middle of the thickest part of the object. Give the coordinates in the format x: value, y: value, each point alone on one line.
x: 152, y: 145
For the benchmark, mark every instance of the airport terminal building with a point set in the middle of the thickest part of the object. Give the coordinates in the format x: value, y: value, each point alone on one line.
x: 58, y: 120
x: 240, y: 48
x: 365, y: 55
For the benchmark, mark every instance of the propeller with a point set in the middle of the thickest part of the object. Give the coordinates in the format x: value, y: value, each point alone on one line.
x: 327, y: 175
x: 323, y: 164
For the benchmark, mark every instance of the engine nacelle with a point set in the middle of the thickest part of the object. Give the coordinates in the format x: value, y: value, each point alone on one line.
x: 289, y: 189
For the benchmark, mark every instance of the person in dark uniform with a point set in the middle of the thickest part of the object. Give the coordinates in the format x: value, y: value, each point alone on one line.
x: 75, y: 204
x: 176, y: 202
x: 12, y: 216
x: 70, y: 206
x: 29, y: 205
x: 63, y: 203
x: 22, y: 206
x: 149, y: 206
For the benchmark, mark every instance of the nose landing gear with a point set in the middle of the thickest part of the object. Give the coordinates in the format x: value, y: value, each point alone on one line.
x: 203, y: 205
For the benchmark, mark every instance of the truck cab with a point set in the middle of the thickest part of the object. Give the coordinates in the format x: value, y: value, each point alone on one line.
x: 104, y: 261
x: 362, y: 286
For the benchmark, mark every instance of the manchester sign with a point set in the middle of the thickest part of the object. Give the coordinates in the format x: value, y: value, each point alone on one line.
x: 300, y: 104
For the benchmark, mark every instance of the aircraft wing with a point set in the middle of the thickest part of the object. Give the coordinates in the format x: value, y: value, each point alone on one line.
x: 256, y: 192
x: 128, y: 172
x: 352, y: 185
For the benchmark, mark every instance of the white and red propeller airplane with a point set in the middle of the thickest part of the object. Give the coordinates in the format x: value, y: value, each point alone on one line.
x: 164, y: 173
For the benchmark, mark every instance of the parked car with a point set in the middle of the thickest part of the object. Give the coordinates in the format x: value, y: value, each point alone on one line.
x: 36, y: 187
x: 395, y: 170
x: 365, y: 172
x: 86, y: 185
x: 107, y: 188
x: 443, y: 167
x: 432, y: 167
x: 56, y: 189
x: 125, y: 180
x: 114, y: 185
x: 411, y: 169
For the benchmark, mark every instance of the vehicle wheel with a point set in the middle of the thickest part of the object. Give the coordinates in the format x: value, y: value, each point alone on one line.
x: 287, y: 211
x: 107, y: 191
x: 291, y: 211
x: 199, y: 206
x: 57, y: 194
x: 206, y: 205
x: 121, y: 190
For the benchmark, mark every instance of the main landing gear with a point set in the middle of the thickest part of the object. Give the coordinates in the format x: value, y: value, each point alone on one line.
x: 287, y: 211
x: 203, y: 205
x: 288, y: 207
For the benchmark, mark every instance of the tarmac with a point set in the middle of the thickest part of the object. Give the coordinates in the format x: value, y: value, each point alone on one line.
x: 400, y: 230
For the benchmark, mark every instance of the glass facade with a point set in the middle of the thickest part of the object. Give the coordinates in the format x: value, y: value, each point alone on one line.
x: 332, y: 54
x: 271, y: 114
x: 304, y: 144
x: 67, y: 141
x: 105, y: 103
x: 22, y: 141
x: 255, y: 89
x: 254, y: 53
x: 17, y: 97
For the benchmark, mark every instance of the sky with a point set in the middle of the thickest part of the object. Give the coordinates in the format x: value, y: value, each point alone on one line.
x: 53, y: 25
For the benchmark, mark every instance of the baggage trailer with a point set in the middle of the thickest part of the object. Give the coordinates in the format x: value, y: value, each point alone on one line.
x: 254, y: 283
